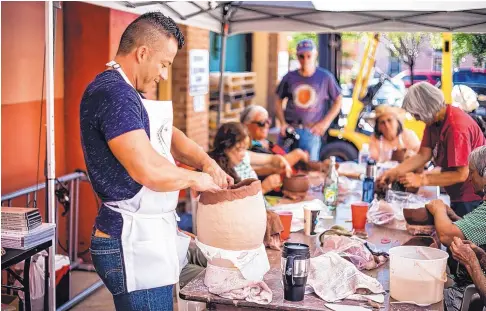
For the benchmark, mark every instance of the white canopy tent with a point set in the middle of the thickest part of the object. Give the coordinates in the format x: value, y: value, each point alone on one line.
x: 319, y: 16
x: 233, y: 17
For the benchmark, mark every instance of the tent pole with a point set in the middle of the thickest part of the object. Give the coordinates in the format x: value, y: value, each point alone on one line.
x: 51, y: 161
x: 222, y: 61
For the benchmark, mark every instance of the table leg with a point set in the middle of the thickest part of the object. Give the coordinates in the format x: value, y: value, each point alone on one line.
x: 210, y: 306
x: 27, y: 284
x: 46, y: 282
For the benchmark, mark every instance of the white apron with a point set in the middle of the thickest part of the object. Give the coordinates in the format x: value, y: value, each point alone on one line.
x: 154, y: 251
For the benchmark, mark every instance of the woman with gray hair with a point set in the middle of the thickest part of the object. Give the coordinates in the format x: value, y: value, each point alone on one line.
x: 465, y: 237
x: 449, y: 137
x: 256, y: 120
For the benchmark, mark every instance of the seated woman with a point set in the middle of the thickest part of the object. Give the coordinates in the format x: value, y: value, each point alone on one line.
x: 390, y: 135
x: 255, y: 118
x: 471, y: 227
x: 230, y: 151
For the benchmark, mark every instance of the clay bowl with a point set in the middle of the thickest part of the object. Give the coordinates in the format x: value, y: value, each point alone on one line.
x: 418, y: 216
x: 298, y: 183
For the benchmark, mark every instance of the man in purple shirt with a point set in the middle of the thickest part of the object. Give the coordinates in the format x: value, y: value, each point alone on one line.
x: 308, y: 91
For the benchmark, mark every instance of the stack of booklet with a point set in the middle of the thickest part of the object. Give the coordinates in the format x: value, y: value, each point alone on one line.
x: 22, y: 228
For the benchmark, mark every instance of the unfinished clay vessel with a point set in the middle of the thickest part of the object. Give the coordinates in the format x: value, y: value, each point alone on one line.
x: 233, y: 219
x: 296, y: 184
x: 418, y: 216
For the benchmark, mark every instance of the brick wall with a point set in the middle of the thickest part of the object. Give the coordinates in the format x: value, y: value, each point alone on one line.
x: 193, y: 124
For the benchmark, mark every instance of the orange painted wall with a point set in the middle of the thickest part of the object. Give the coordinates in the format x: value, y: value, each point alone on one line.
x: 22, y: 77
x: 22, y: 63
x: 86, y: 50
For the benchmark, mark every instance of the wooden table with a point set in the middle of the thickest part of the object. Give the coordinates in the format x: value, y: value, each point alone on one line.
x: 197, y: 291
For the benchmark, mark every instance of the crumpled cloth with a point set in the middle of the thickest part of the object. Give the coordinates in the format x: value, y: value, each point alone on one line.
x: 229, y: 283
x: 354, y: 250
x: 253, y: 263
x: 334, y: 278
x: 272, y: 233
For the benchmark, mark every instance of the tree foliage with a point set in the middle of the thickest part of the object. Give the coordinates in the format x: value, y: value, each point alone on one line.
x: 405, y: 43
x: 407, y: 46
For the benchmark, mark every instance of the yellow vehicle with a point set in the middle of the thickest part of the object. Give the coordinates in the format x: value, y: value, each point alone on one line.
x: 345, y: 142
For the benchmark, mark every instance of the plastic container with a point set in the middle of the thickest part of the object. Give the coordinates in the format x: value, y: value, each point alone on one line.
x: 286, y: 218
x: 364, y: 154
x: 417, y: 274
x: 358, y: 215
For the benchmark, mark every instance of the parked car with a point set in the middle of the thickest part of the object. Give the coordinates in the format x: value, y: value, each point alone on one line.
x: 475, y: 79
x: 418, y: 76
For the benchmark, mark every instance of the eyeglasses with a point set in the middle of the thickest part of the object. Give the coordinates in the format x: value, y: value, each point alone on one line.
x: 304, y: 56
x: 262, y: 123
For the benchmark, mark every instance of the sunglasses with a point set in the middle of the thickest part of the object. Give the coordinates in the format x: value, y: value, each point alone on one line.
x: 262, y: 123
x: 304, y: 56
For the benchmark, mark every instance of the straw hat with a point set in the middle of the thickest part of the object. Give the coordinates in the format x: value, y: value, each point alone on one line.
x: 383, y: 110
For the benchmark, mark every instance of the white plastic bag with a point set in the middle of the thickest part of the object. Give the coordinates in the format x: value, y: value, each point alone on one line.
x: 380, y: 213
x: 398, y: 200
x: 36, y: 281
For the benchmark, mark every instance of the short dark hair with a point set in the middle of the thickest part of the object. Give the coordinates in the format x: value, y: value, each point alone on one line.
x: 144, y: 29
x: 378, y: 134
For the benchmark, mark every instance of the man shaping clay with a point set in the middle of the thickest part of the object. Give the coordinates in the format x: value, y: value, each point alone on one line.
x: 129, y: 146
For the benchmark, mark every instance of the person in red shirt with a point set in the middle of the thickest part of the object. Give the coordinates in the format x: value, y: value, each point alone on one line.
x: 449, y: 138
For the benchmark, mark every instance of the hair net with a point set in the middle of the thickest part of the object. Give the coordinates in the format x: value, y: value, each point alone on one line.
x: 465, y: 98
x: 248, y: 114
x: 478, y: 160
x: 424, y: 101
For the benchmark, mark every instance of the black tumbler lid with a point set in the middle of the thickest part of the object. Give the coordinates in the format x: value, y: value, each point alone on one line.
x: 296, y: 249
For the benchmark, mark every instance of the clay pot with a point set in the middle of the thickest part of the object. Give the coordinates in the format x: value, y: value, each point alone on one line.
x: 418, y: 216
x: 298, y: 183
x: 233, y: 219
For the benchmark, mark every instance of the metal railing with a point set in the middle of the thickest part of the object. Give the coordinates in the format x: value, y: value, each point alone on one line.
x: 67, y: 188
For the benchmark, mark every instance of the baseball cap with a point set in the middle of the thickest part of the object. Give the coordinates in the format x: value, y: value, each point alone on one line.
x: 305, y: 45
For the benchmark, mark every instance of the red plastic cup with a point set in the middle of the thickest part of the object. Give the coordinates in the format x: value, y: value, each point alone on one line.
x: 359, y: 211
x: 286, y: 219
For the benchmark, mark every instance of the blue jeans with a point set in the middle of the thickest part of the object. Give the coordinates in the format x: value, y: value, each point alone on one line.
x: 310, y: 143
x: 107, y: 255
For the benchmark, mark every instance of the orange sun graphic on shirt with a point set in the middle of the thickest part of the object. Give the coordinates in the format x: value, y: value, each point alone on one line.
x: 304, y: 96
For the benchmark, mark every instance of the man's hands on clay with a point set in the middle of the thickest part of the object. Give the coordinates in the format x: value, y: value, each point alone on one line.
x: 436, y: 206
x: 220, y: 178
x: 204, y: 182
